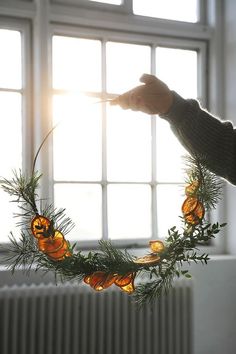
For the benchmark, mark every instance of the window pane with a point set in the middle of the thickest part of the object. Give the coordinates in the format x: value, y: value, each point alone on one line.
x: 10, y: 59
x: 169, y: 203
x: 169, y: 155
x: 181, y: 10
x: 125, y: 64
x: 178, y: 68
x: 129, y: 211
x: 77, y: 140
x: 114, y: 2
x: 8, y: 222
x: 10, y: 133
x: 83, y: 206
x: 76, y: 64
x: 128, y: 146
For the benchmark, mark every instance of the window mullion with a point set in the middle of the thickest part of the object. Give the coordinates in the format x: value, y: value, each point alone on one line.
x: 153, y: 132
x: 104, y: 147
x: 41, y: 72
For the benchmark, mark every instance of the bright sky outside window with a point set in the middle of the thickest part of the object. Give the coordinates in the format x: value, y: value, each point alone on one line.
x: 11, y: 118
x: 125, y: 62
x: 181, y: 10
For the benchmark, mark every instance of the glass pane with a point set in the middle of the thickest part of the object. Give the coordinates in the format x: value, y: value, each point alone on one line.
x: 83, y: 205
x: 113, y: 2
x: 128, y: 146
x: 180, y: 73
x: 169, y: 203
x: 8, y: 222
x: 11, y: 157
x: 125, y: 64
x: 77, y: 140
x: 10, y: 59
x: 76, y: 64
x: 129, y: 211
x: 169, y: 155
x: 181, y: 10
x: 10, y: 133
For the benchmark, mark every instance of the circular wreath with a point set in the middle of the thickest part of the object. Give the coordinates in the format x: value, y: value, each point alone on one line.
x: 43, y: 229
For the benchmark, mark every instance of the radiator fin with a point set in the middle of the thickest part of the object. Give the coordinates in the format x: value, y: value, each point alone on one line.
x: 72, y: 319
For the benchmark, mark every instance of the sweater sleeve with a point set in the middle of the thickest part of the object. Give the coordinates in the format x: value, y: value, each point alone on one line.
x: 203, y: 134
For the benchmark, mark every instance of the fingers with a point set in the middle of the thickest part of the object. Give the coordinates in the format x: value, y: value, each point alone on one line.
x: 122, y: 101
x: 148, y: 79
x: 128, y: 100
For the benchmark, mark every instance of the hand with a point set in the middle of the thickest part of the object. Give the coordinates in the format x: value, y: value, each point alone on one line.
x: 153, y: 97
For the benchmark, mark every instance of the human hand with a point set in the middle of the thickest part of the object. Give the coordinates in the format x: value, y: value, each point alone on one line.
x: 153, y: 97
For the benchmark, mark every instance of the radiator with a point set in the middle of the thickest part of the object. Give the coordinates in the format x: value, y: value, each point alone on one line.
x: 73, y: 319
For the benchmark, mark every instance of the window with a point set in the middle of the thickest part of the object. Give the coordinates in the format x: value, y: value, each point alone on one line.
x: 117, y: 173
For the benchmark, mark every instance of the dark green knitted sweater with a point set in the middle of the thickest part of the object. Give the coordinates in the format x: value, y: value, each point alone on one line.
x: 204, y: 134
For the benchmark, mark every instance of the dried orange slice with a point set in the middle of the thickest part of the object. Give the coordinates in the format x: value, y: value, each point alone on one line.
x: 99, y: 280
x: 129, y: 288
x: 96, y: 280
x: 51, y: 244
x: 40, y: 226
x: 156, y: 246
x: 189, y: 205
x: 192, y: 188
x: 87, y: 279
x: 149, y: 259
x: 196, y: 216
x: 109, y: 280
x: 123, y: 280
x: 61, y: 254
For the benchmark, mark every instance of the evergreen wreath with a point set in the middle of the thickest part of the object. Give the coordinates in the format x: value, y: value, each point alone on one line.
x: 42, y: 241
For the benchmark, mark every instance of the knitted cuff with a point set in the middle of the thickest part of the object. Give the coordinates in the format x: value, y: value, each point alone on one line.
x: 179, y: 108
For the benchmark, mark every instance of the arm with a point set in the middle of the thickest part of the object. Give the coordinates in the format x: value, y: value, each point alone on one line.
x: 198, y: 131
x: 204, y: 134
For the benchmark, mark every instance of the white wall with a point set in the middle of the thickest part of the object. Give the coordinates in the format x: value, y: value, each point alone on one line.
x: 214, y: 317
x: 230, y: 108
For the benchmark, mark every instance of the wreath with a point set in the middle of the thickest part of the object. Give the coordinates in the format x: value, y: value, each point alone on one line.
x: 42, y: 242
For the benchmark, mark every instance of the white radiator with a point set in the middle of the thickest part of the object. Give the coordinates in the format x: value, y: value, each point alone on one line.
x: 70, y: 319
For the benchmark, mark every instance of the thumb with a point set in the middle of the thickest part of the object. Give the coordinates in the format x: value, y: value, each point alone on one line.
x: 148, y: 79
